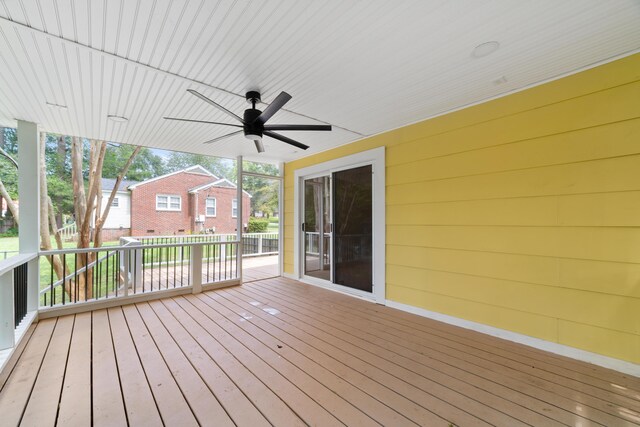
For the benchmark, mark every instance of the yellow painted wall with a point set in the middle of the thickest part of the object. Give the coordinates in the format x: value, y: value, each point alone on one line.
x: 521, y: 213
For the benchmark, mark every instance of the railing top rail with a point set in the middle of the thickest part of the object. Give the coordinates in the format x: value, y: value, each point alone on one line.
x: 14, y: 261
x: 127, y: 248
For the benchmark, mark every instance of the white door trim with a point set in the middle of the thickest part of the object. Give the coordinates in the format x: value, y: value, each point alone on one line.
x: 375, y: 158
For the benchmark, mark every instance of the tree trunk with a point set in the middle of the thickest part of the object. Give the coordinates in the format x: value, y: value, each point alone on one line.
x: 10, y: 203
x: 62, y: 155
x: 79, y: 199
x: 45, y: 237
x: 97, y: 242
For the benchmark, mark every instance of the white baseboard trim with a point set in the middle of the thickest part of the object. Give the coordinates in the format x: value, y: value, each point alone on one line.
x: 540, y: 344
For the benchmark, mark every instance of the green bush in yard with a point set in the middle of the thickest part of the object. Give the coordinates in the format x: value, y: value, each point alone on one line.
x: 257, y: 225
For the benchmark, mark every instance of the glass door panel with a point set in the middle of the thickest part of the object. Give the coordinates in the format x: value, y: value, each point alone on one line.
x: 353, y: 228
x: 317, y: 227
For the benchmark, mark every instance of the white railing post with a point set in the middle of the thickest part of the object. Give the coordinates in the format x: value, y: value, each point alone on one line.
x: 195, y: 265
x: 29, y: 190
x: 260, y: 244
x: 137, y: 267
x: 125, y: 269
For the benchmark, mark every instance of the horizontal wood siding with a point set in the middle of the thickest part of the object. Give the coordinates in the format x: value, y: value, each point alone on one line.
x: 521, y: 213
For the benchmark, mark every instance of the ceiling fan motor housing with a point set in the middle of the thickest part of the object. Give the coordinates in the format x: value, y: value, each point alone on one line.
x: 253, y: 128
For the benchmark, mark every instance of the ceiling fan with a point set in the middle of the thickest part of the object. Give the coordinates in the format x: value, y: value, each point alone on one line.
x: 253, y: 123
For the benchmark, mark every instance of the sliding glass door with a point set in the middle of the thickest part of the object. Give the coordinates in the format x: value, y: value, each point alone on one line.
x: 337, y: 228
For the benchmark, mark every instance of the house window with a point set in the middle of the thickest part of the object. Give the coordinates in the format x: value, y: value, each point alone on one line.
x: 234, y: 208
x: 211, y: 206
x: 115, y: 202
x: 166, y: 202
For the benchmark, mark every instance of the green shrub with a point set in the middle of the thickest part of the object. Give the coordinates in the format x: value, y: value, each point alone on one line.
x: 12, y: 232
x: 257, y: 225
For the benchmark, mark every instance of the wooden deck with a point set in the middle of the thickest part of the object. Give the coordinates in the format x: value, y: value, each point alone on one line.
x: 278, y: 352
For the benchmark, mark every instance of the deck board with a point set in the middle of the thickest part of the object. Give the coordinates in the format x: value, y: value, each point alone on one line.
x: 75, y: 402
x: 15, y: 394
x: 202, y: 401
x: 42, y: 408
x: 140, y: 405
x: 107, y: 399
x: 594, y: 409
x: 278, y: 352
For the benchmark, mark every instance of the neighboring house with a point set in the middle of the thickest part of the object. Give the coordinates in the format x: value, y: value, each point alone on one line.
x: 192, y: 200
x: 118, y: 222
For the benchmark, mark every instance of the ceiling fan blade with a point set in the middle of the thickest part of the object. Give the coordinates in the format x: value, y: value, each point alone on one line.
x: 259, y: 145
x: 285, y: 139
x: 201, y: 121
x: 297, y: 127
x: 223, y: 137
x: 218, y: 106
x: 273, y: 108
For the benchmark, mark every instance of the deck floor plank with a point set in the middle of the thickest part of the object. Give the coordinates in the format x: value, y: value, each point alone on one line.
x: 595, y: 408
x: 363, y: 401
x: 140, y: 404
x: 42, y: 408
x: 107, y: 400
x: 545, y: 388
x: 494, y: 398
x: 267, y: 402
x: 385, y: 373
x: 587, y: 385
x: 305, y: 407
x: 202, y: 401
x: 236, y: 404
x: 443, y: 360
x: 279, y: 352
x: 173, y: 407
x: 75, y: 402
x: 17, y: 390
x: 322, y: 366
x: 342, y: 409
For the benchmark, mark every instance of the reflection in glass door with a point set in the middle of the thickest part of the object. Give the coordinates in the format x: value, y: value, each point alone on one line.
x: 317, y: 227
x: 353, y: 228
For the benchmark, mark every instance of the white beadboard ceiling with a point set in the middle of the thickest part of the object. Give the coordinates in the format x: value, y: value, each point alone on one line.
x: 364, y: 66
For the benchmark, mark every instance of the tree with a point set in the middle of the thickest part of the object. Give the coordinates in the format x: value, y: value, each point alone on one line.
x: 222, y: 168
x: 145, y: 165
x: 9, y: 170
x: 264, y: 191
x: 87, y: 198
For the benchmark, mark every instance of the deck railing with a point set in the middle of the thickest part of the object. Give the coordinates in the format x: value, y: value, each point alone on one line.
x: 253, y: 244
x: 73, y: 276
x: 16, y: 302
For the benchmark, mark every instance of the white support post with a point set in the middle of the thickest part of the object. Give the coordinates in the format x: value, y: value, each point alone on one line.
x: 239, y: 250
x: 260, y: 244
x: 29, y: 190
x: 196, y: 268
x: 7, y: 335
x: 281, y: 219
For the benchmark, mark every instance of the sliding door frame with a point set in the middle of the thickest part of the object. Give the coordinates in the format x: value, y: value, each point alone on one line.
x: 375, y: 158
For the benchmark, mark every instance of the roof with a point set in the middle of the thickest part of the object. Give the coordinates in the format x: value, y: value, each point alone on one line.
x: 109, y: 183
x: 196, y: 168
x: 223, y: 182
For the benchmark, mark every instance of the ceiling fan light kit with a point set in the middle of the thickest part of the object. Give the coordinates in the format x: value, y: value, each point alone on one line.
x: 253, y: 122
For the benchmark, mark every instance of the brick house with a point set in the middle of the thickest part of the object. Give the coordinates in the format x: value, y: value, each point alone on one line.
x: 192, y: 200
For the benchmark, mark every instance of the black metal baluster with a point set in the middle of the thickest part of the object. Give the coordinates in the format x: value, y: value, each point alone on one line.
x: 51, y: 282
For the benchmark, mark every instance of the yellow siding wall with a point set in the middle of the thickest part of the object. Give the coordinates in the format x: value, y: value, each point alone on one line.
x: 521, y: 213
